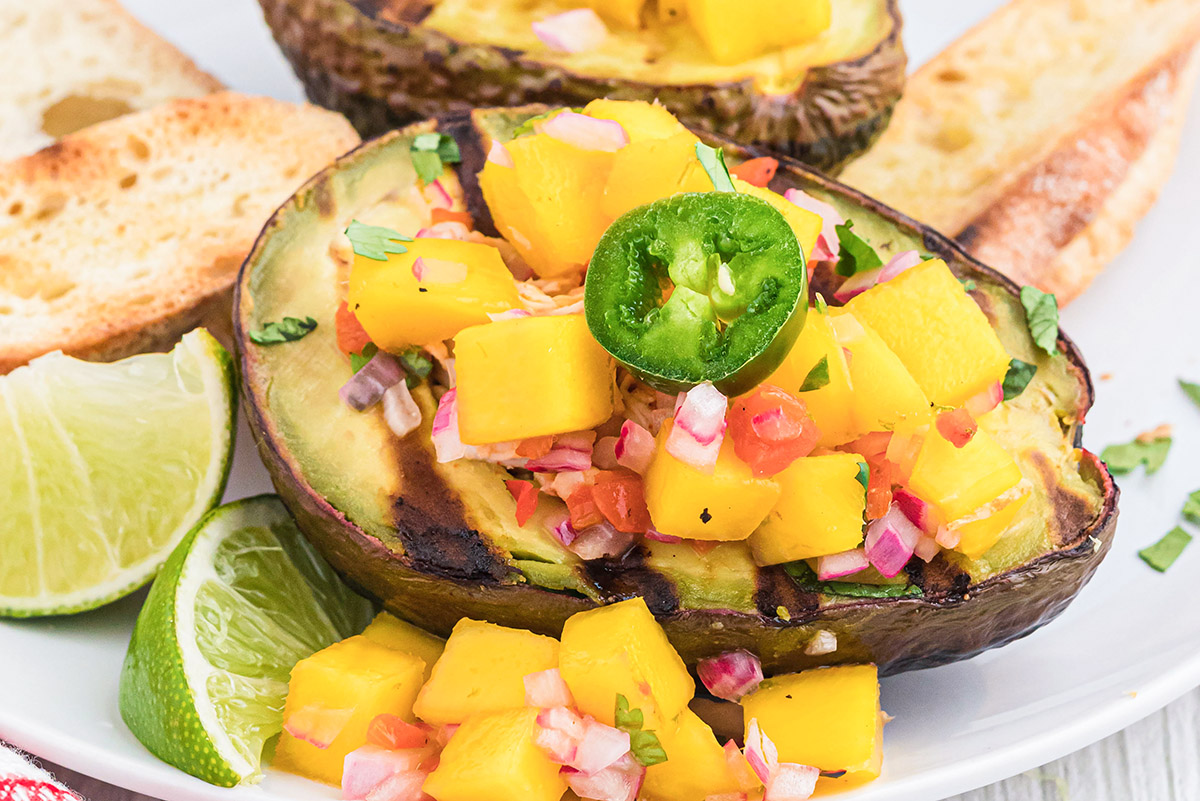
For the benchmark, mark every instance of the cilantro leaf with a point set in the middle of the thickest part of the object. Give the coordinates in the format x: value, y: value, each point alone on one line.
x: 431, y: 152
x: 854, y: 254
x: 864, y: 474
x: 626, y: 718
x: 817, y: 377
x: 288, y: 330
x: 1162, y: 554
x: 1192, y: 390
x: 1191, y: 508
x: 416, y: 363
x: 375, y: 241
x: 359, y: 360
x: 713, y: 161
x: 807, y: 580
x: 819, y: 303
x: 1126, y: 457
x: 1017, y: 378
x: 968, y: 284
x: 1041, y: 314
x: 646, y: 748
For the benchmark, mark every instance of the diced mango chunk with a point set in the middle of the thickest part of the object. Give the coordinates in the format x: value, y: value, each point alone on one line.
x: 805, y: 224
x: 726, y: 504
x: 830, y: 406
x: 696, y: 767
x: 332, y: 698
x: 401, y: 635
x: 884, y: 392
x: 820, y: 510
x: 621, y: 649
x: 642, y: 121
x: 735, y: 32
x: 494, y: 758
x: 483, y: 670
x: 531, y: 376
x: 626, y: 13
x: 976, y: 537
x: 938, y: 332
x: 653, y: 169
x: 828, y: 718
x: 398, y: 310
x: 958, y: 481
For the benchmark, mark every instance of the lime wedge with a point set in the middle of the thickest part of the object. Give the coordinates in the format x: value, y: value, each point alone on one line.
x: 238, y: 604
x: 104, y: 468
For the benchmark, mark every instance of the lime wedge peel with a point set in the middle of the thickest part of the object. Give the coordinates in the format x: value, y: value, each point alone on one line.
x: 242, y: 599
x: 110, y: 465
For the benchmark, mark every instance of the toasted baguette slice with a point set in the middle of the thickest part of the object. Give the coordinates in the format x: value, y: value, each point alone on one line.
x: 1042, y: 136
x: 72, y: 63
x: 124, y: 235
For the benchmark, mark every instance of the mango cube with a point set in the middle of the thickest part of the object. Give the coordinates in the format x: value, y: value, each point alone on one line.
x: 828, y: 718
x: 642, y: 121
x: 332, y: 698
x: 938, y: 332
x: 531, y: 376
x: 976, y: 537
x: 626, y: 13
x: 652, y: 169
x: 831, y: 406
x: 403, y: 636
x: 696, y: 767
x: 805, y: 225
x: 465, y: 282
x: 483, y: 670
x: 820, y: 510
x: 493, y: 757
x: 958, y: 481
x: 884, y: 391
x: 736, y: 32
x: 726, y: 504
x: 621, y: 649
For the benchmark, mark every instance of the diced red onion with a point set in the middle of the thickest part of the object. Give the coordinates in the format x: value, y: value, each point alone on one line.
x: 499, y: 155
x: 604, y: 454
x: 561, y: 459
x: 857, y: 284
x: 564, y: 532
x: 699, y: 428
x: 835, y: 565
x: 439, y: 271
x: 905, y: 260
x: 559, y: 731
x: 890, y: 542
x: 823, y: 642
x: 621, y: 781
x: 658, y: 536
x: 927, y: 548
x: 369, y: 766
x: 917, y: 510
x: 792, y: 782
x: 731, y: 675
x: 511, y: 314
x: 572, y: 31
x: 586, y: 133
x: 634, y: 447
x: 437, y: 196
x: 446, y: 443
x: 366, y: 387
x: 827, y: 241
x: 401, y: 787
x: 760, y: 752
x: 400, y: 411
x: 546, y: 689
x: 985, y: 401
x: 599, y: 747
x: 600, y: 541
x: 447, y: 229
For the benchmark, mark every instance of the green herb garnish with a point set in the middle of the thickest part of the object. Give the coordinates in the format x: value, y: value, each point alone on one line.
x: 854, y: 254
x: 1191, y: 390
x: 644, y: 745
x: 820, y: 304
x: 1147, y: 450
x: 1041, y: 314
x: 359, y: 360
x: 864, y: 474
x: 1162, y: 554
x: 431, y: 152
x: 417, y: 366
x: 807, y: 580
x: 1017, y: 378
x: 288, y: 330
x: 375, y: 241
x: 713, y: 161
x: 1191, y: 508
x: 968, y: 284
x: 817, y: 377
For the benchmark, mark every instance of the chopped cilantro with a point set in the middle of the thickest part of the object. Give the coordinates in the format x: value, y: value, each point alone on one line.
x: 416, y: 363
x: 968, y: 284
x: 807, y: 580
x: 854, y: 254
x: 289, y: 330
x: 820, y: 303
x: 1191, y: 508
x: 359, y: 360
x: 1191, y: 390
x: 644, y: 745
x: 1017, y: 378
x: 1041, y: 314
x: 1126, y: 457
x: 375, y: 241
x: 1162, y: 554
x: 431, y: 152
x: 817, y: 377
x: 713, y: 161
x: 864, y: 474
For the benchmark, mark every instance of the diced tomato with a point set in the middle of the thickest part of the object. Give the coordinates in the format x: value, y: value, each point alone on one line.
x: 351, y: 337
x: 619, y: 496
x: 389, y: 731
x: 758, y: 172
x: 883, y: 474
x: 771, y: 428
x: 581, y: 505
x: 526, y: 494
x: 957, y: 426
x: 446, y: 215
x: 535, y: 447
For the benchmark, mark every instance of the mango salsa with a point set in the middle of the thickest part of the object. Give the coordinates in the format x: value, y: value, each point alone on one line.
x: 830, y: 406
x: 884, y: 391
x: 958, y: 481
x: 726, y: 504
x: 398, y: 310
x: 483, y: 670
x: 976, y: 537
x: 332, y: 698
x: 805, y: 224
x: 642, y: 121
x: 403, y: 636
x: 493, y: 758
x: 820, y: 510
x: 828, y: 718
x: 621, y: 649
x: 649, y: 170
x: 531, y: 376
x: 736, y: 32
x: 938, y: 332
x: 696, y: 767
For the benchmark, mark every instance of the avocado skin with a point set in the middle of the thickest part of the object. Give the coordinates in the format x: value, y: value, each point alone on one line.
x: 382, y: 73
x: 456, y: 573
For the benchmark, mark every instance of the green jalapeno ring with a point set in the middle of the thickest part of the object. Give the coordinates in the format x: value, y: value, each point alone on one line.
x: 706, y: 286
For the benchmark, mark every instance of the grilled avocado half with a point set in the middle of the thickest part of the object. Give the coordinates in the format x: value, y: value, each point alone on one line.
x: 386, y: 63
x: 437, y: 542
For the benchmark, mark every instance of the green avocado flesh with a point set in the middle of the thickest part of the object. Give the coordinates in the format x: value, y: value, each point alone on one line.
x: 435, y: 542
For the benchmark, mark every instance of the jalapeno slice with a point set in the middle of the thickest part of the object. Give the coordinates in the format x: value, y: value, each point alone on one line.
x: 707, y: 286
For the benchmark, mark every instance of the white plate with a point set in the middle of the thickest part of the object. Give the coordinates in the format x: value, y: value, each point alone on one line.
x: 1129, y: 645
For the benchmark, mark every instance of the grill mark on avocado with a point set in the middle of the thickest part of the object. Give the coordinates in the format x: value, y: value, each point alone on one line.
x: 939, y: 579
x: 1070, y: 510
x: 630, y: 576
x: 776, y: 588
x: 470, y: 147
x: 324, y: 199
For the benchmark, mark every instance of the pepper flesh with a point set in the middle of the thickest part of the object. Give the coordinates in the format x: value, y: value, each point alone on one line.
x: 698, y: 287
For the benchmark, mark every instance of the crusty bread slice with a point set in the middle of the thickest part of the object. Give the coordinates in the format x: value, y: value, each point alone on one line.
x: 1042, y: 136
x: 120, y: 237
x: 68, y: 64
